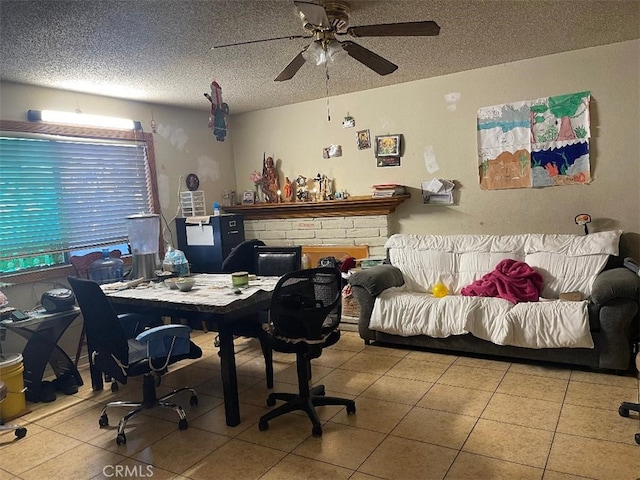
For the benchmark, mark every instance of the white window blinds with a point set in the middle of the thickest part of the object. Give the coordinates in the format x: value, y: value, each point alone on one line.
x: 59, y: 194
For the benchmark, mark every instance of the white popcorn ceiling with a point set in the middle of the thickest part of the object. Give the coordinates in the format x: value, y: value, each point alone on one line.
x: 159, y: 51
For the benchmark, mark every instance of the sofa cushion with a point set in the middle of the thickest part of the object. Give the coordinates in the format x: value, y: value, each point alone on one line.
x: 570, y: 263
x: 562, y: 274
x: 474, y: 265
x: 422, y: 269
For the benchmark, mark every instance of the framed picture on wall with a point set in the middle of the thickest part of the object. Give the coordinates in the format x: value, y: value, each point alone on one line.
x: 388, y: 146
x: 363, y: 139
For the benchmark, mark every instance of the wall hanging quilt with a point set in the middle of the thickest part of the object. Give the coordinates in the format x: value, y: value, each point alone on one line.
x: 535, y: 143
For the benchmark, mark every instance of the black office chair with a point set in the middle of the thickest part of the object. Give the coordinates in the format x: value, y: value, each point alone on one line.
x: 133, y: 323
x: 304, y: 319
x: 148, y: 354
x: 626, y: 407
x: 277, y: 261
x: 241, y: 258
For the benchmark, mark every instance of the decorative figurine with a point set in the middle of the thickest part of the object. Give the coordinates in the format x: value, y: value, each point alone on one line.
x: 287, y: 190
x: 270, y: 180
x: 323, y: 189
x: 219, y: 110
x: 302, y: 193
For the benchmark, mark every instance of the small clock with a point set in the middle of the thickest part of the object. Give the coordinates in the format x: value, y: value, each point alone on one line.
x: 192, y: 181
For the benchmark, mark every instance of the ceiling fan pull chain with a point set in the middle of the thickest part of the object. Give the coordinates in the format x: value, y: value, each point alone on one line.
x: 326, y: 81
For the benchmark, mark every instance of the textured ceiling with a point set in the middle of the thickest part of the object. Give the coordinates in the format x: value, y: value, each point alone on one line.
x: 160, y: 51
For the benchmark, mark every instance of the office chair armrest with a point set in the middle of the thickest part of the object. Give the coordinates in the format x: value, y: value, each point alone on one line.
x: 166, y: 340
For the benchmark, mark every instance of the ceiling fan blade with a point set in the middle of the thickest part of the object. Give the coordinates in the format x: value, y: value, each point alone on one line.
x: 407, y: 29
x: 290, y: 37
x: 312, y: 13
x: 372, y: 60
x: 291, y: 69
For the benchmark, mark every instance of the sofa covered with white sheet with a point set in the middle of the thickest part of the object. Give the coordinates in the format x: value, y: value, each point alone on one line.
x: 594, y: 327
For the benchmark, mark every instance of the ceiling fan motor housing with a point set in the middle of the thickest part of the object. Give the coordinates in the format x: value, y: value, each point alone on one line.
x: 338, y: 14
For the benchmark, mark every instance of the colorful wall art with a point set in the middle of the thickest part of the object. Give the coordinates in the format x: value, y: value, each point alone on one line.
x: 535, y: 143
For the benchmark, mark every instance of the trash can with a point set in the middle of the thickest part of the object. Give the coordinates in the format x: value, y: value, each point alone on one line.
x: 11, y: 369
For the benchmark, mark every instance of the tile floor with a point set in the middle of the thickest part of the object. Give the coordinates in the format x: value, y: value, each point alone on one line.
x: 420, y: 415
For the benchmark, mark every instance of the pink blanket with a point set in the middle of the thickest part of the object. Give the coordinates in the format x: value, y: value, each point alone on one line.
x: 512, y: 280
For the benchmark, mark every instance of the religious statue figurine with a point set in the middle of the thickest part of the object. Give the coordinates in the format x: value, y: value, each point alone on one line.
x: 287, y: 190
x: 270, y: 180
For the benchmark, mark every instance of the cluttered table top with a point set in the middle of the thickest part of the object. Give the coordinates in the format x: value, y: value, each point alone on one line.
x: 212, y: 292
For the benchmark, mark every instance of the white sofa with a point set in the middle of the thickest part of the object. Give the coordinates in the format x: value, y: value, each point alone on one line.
x: 397, y: 305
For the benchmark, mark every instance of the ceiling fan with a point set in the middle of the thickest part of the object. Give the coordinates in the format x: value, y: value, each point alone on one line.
x: 330, y: 19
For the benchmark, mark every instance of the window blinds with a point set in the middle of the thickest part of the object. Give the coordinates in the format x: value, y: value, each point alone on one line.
x: 59, y: 194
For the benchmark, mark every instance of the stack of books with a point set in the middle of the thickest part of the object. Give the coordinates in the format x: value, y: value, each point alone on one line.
x: 387, y: 190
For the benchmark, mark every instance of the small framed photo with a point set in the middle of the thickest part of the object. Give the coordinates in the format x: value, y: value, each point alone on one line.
x: 363, y: 139
x: 248, y: 197
x: 388, y: 146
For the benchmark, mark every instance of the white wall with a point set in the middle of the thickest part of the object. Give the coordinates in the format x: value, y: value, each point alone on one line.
x: 295, y: 135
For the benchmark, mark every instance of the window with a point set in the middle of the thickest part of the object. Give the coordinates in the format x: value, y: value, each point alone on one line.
x: 68, y: 189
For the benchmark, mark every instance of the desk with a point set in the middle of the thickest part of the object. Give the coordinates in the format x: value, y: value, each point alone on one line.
x: 213, y: 301
x: 42, y: 332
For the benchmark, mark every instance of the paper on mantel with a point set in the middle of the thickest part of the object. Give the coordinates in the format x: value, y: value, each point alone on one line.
x: 437, y: 192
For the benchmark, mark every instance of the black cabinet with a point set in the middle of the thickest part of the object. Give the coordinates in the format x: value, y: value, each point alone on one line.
x: 207, y: 244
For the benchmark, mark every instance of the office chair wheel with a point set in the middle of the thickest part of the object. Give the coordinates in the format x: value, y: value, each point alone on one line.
x: 316, y: 431
x: 103, y: 421
x: 351, y: 408
x: 183, y: 424
x: 21, y: 432
x: 121, y: 439
x: 271, y: 401
x: 262, y: 426
x: 624, y: 412
x: 193, y: 401
x: 114, y: 387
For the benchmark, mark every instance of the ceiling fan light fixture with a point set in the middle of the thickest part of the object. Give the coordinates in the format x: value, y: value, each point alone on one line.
x: 315, y: 53
x: 335, y: 52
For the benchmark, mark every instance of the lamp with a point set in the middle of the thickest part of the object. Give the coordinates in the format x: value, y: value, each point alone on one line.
x: 82, y: 119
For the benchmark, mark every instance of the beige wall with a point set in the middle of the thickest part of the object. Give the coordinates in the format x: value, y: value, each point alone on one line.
x: 183, y: 144
x: 296, y: 134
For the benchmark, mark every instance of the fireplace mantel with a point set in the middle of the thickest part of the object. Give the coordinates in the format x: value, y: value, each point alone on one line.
x: 353, y: 206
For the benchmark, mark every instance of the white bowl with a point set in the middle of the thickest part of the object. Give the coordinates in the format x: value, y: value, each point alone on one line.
x: 171, y: 283
x: 185, y: 284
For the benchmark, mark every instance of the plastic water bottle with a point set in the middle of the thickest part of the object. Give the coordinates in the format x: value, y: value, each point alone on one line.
x: 306, y: 261
x: 216, y: 209
x: 107, y: 269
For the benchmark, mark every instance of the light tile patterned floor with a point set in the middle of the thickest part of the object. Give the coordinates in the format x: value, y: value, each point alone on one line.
x: 420, y: 415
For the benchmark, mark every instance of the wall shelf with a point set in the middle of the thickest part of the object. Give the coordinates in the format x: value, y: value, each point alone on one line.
x: 353, y: 206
